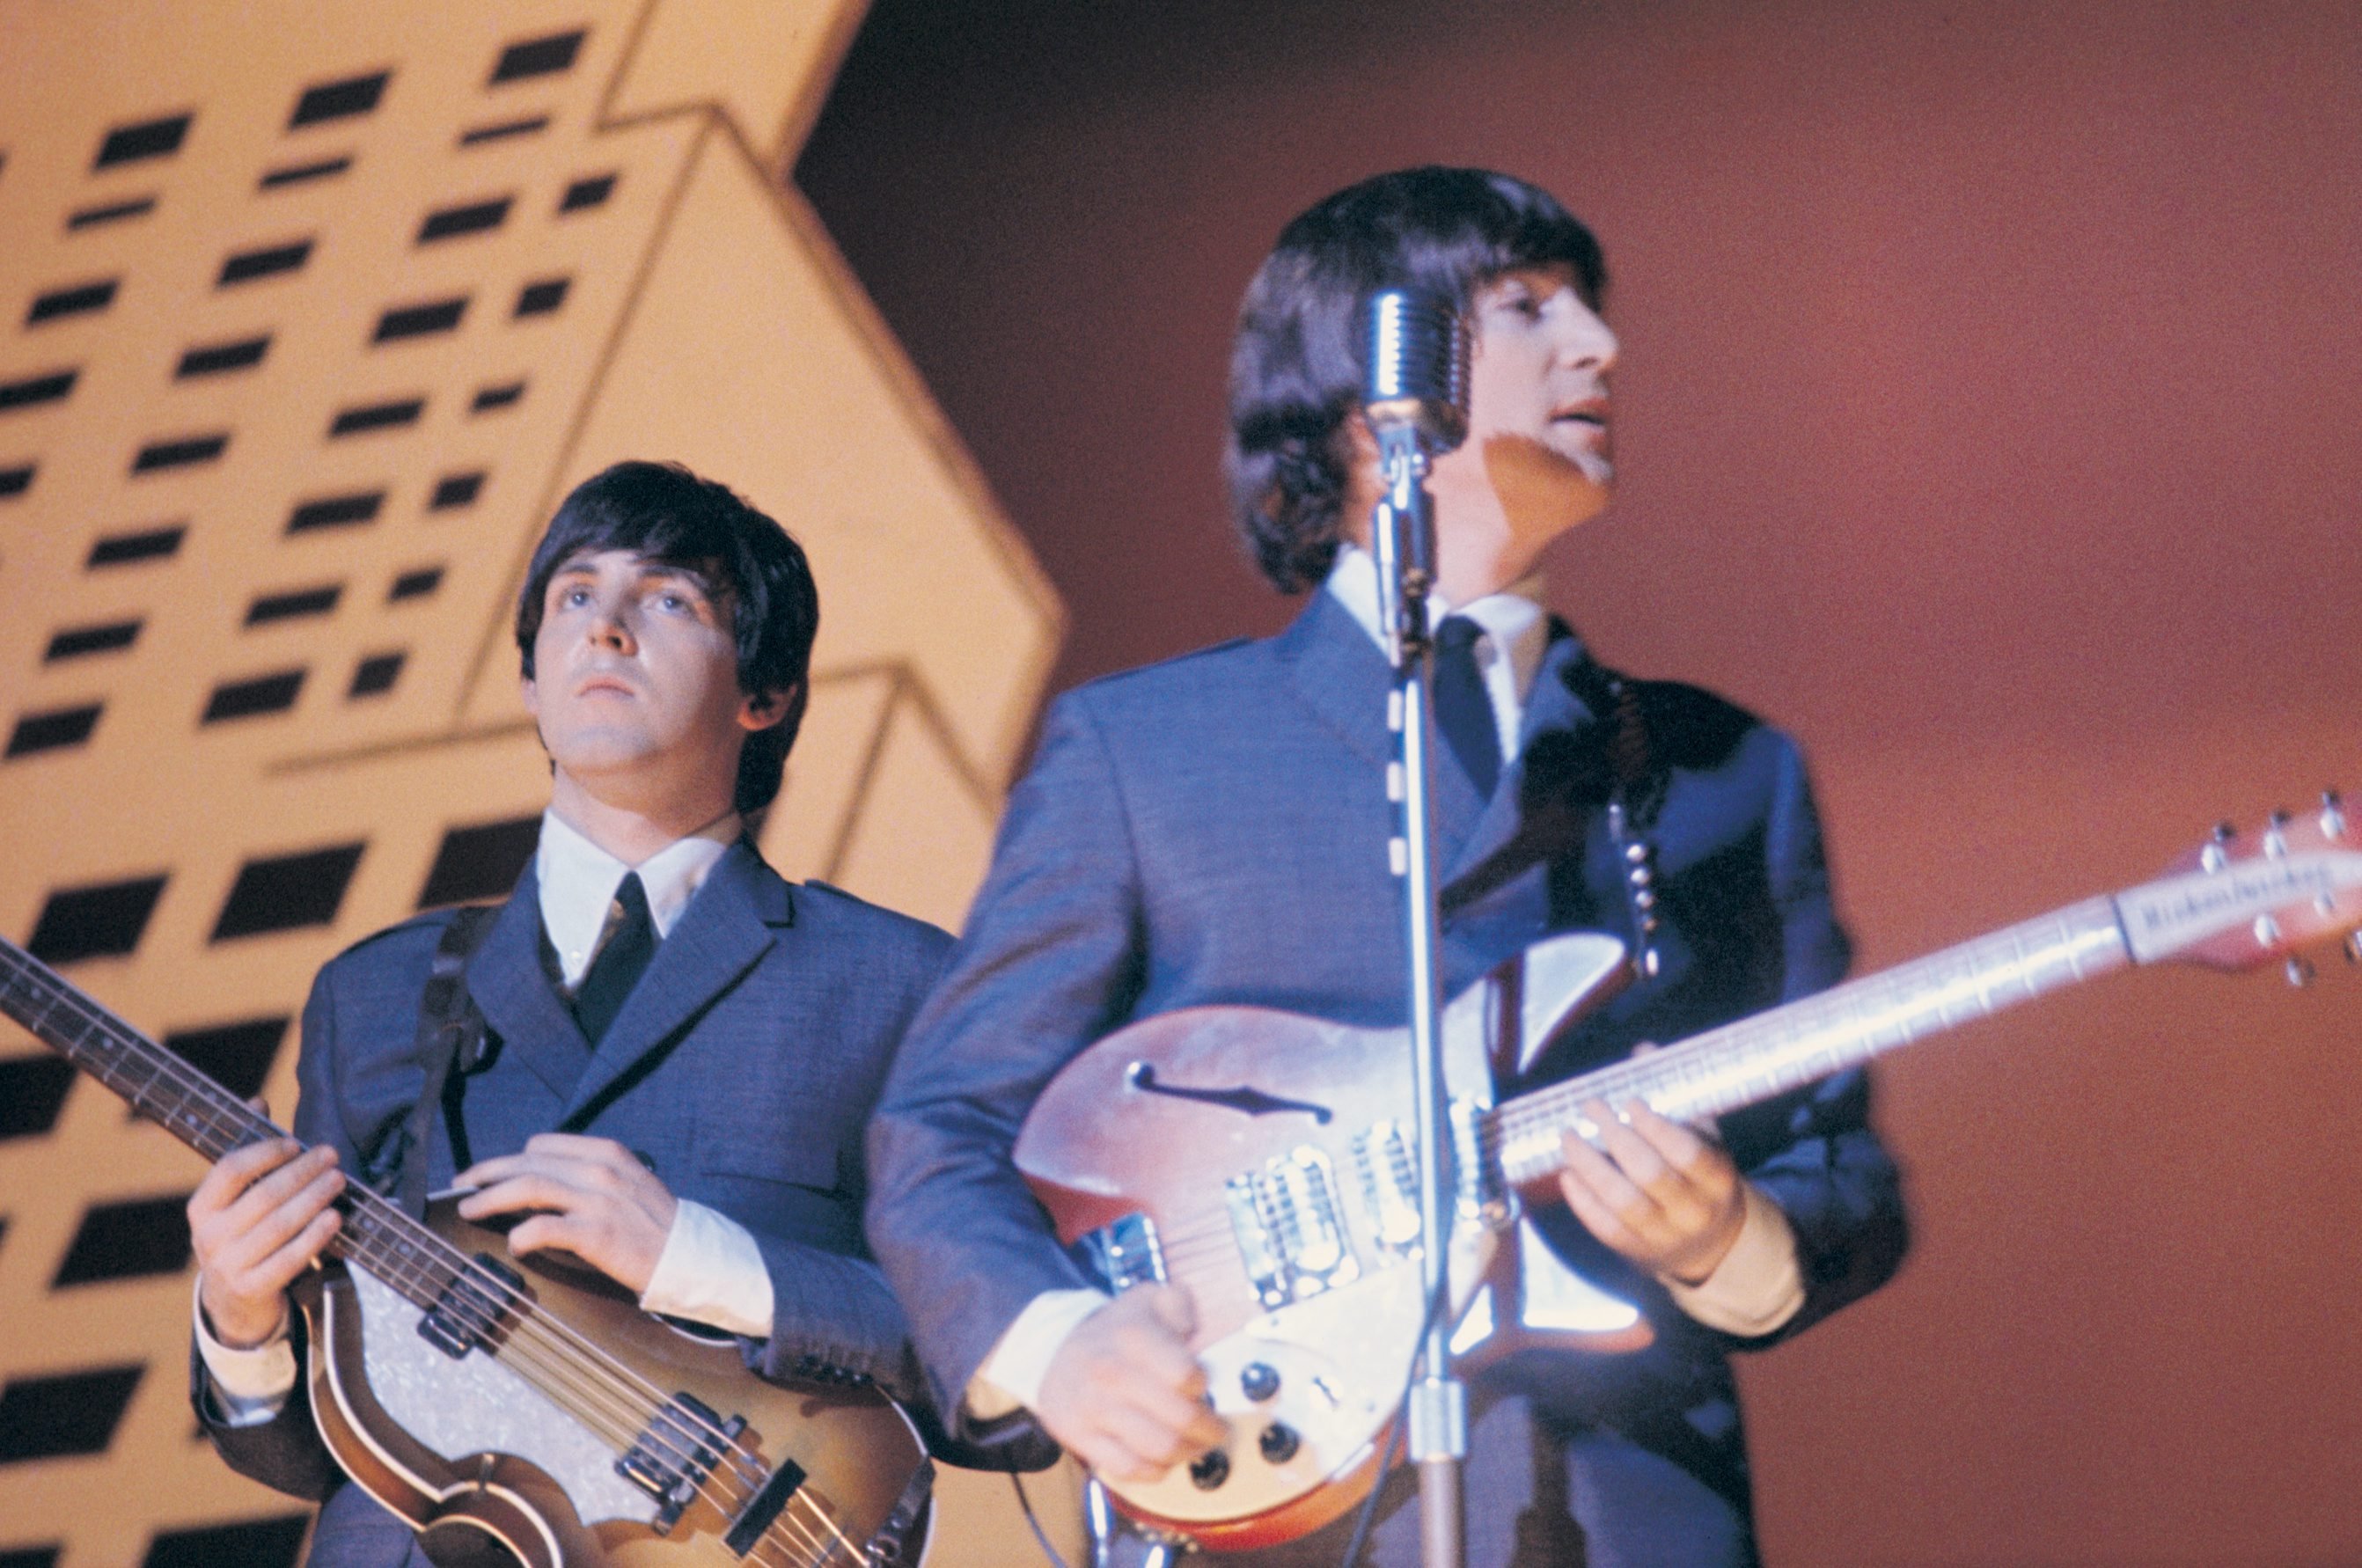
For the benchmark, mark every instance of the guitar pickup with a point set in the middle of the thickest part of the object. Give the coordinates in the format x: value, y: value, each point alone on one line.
x: 472, y: 1310
x: 1387, y: 1157
x: 1290, y: 1228
x: 1123, y: 1254
x: 677, y: 1451
x: 769, y: 1500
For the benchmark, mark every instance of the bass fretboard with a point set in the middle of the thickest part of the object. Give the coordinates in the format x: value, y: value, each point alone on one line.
x: 168, y: 1090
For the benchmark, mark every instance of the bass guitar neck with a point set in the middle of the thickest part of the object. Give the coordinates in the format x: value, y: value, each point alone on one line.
x: 524, y: 1410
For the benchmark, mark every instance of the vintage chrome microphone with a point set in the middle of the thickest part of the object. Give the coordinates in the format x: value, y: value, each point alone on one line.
x: 1416, y: 403
x: 1417, y: 375
x: 1415, y: 400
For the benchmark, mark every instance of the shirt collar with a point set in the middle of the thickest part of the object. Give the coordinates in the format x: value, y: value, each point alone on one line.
x: 578, y: 879
x: 1514, y: 618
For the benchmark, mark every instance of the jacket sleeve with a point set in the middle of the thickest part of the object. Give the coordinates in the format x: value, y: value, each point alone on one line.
x: 285, y: 1453
x: 1051, y: 958
x: 834, y: 1316
x: 1813, y: 1151
x: 833, y: 1319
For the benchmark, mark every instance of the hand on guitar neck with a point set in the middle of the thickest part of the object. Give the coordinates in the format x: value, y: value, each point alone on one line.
x: 256, y: 1222
x: 1654, y: 1191
x: 1124, y: 1395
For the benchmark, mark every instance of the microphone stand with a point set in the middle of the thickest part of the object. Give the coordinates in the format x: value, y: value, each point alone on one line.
x: 1403, y: 529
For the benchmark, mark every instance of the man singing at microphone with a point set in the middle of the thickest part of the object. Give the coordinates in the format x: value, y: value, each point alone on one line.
x: 1213, y: 830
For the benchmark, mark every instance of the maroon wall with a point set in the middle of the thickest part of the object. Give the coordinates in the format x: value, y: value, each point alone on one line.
x: 1987, y: 417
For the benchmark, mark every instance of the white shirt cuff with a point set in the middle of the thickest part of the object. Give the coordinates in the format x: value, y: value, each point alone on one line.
x: 248, y: 1388
x: 1758, y: 1286
x: 1011, y: 1375
x: 711, y: 1270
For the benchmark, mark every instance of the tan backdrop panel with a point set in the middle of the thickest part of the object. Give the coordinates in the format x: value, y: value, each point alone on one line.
x: 308, y: 316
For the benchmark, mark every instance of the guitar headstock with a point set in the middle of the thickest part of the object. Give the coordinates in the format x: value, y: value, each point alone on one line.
x: 2268, y: 895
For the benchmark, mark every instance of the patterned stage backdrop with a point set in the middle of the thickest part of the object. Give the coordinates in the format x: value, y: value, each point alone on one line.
x: 312, y: 313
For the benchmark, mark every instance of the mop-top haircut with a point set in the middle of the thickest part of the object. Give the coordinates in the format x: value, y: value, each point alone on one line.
x: 1297, y: 365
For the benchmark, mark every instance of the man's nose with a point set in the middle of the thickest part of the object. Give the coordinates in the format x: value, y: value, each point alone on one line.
x: 609, y: 629
x: 1589, y: 343
x: 1593, y: 345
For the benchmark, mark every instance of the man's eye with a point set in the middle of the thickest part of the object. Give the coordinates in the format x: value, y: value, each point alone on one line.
x: 573, y: 598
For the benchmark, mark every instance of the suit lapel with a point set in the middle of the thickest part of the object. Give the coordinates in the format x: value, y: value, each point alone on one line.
x: 730, y: 923
x: 1338, y: 671
x: 514, y: 992
x: 1335, y: 670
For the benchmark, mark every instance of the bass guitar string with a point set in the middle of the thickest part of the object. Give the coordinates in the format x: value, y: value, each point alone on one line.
x: 609, y: 1380
x: 617, y: 1425
x: 541, y: 1341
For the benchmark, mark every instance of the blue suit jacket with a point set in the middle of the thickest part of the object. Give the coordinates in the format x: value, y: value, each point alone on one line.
x: 1213, y: 830
x: 743, y: 1066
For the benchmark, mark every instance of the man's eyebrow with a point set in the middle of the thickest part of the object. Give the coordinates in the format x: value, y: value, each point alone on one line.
x: 674, y: 571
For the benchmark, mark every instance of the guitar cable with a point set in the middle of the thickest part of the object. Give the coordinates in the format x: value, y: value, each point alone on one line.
x: 1040, y: 1537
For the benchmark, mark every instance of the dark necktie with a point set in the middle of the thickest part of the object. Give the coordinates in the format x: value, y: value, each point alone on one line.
x: 1463, y: 709
x: 617, y: 968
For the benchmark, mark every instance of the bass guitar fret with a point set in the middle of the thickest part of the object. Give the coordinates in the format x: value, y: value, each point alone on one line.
x: 157, y: 1083
x: 607, y: 1397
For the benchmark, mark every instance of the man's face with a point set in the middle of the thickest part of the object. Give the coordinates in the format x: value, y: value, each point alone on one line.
x: 635, y: 683
x: 1538, y: 371
x: 1538, y: 445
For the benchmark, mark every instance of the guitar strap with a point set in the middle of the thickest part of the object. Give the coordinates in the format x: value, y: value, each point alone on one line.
x: 450, y: 1031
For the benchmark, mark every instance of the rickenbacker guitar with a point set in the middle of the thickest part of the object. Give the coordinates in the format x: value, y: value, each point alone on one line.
x: 524, y: 1410
x: 1268, y: 1161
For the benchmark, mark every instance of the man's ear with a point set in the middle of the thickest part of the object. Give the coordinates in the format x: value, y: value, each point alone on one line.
x: 532, y: 696
x: 764, y: 709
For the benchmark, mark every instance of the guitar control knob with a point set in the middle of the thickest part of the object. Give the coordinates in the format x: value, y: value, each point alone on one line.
x: 1258, y: 1380
x: 1278, y: 1443
x: 1209, y: 1470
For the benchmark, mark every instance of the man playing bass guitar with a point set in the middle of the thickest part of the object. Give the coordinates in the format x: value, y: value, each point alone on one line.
x: 1213, y: 831
x: 678, y: 1048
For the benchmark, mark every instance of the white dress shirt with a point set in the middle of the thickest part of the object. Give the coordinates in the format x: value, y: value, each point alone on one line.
x: 1756, y: 1288
x: 710, y: 1270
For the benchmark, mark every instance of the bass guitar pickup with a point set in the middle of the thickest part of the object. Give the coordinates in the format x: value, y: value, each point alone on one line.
x: 677, y: 1451
x: 473, y: 1308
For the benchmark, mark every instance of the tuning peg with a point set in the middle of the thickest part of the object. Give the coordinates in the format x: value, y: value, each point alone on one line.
x: 2212, y: 858
x: 2299, y: 971
x: 2276, y: 836
x: 2352, y: 947
x: 2333, y: 815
